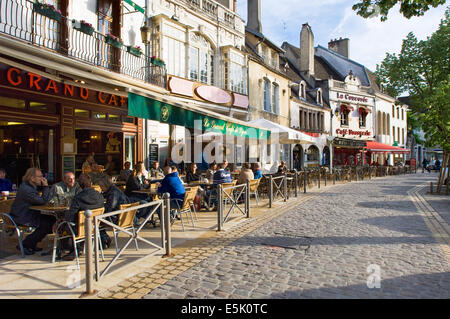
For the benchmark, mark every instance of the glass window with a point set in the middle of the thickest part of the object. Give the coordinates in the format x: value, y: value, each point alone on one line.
x: 201, y: 62
x: 99, y: 115
x: 193, y: 66
x: 42, y: 107
x: 238, y: 73
x: 15, y: 103
x: 344, y: 117
x: 266, y: 96
x: 129, y: 148
x: 362, y: 119
x: 81, y: 113
x: 128, y: 119
x: 275, y: 97
x: 173, y: 52
x: 114, y: 117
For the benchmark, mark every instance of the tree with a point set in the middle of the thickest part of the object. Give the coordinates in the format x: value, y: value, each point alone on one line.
x: 368, y: 8
x: 421, y: 69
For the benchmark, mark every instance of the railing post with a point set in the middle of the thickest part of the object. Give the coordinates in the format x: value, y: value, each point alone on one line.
x: 219, y: 207
x: 318, y: 178
x: 89, y: 271
x: 285, y: 187
x: 247, y: 199
x: 295, y: 183
x: 270, y: 191
x: 325, y: 173
x: 166, y: 213
x: 356, y: 174
x: 304, y: 181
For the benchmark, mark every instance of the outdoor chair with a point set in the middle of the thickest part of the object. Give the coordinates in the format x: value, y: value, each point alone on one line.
x: 9, y: 226
x: 184, y: 206
x: 254, y: 184
x: 77, y: 238
x: 126, y: 222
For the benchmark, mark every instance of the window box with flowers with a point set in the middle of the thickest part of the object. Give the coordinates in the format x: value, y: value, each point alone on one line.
x: 47, y: 10
x: 134, y: 50
x: 113, y: 40
x: 83, y: 26
x: 156, y: 61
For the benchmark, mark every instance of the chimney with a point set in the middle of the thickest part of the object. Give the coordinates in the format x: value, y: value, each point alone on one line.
x: 341, y: 46
x: 254, y: 15
x: 307, y: 50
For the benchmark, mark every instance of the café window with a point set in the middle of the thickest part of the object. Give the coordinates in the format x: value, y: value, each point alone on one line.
x: 174, y: 51
x: 42, y: 107
x: 201, y: 60
x: 362, y: 118
x: 14, y: 103
x: 81, y: 113
x: 114, y: 117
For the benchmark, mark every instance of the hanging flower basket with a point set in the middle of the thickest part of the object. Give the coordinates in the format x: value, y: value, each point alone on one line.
x: 113, y: 40
x: 83, y: 26
x: 47, y: 10
x: 136, y: 51
x: 154, y: 60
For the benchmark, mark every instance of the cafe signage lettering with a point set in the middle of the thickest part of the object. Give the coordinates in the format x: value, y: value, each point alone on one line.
x: 31, y: 81
x: 353, y: 98
x: 351, y: 132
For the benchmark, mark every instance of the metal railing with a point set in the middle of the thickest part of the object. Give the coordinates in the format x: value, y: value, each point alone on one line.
x: 277, y: 186
x: 92, y: 227
x: 18, y: 19
x: 232, y: 195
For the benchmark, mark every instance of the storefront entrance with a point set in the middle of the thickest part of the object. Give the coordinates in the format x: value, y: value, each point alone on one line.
x: 298, y: 157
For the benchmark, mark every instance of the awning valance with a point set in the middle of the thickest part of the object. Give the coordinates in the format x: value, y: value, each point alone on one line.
x: 184, y: 115
x: 285, y: 134
x: 346, y: 107
x: 364, y: 109
x: 377, y: 147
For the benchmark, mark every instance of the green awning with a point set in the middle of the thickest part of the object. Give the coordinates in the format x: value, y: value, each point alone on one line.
x: 135, y: 6
x: 151, y: 109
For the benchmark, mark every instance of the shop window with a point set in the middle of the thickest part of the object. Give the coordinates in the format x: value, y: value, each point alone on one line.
x: 9, y: 102
x: 42, y: 107
x: 114, y: 117
x: 81, y: 113
x: 99, y: 115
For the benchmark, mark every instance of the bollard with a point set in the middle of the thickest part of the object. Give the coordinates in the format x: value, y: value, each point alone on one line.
x: 334, y: 178
x: 88, y: 245
x: 285, y: 187
x: 270, y: 191
x: 247, y: 199
x: 304, y: 181
x: 219, y: 207
x: 325, y: 178
x: 166, y: 217
x: 295, y: 183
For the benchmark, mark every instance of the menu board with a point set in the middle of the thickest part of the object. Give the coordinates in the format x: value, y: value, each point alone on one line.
x: 153, y: 153
x: 68, y: 164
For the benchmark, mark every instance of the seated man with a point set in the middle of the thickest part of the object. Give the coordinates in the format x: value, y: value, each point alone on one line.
x: 282, y: 168
x: 113, y: 195
x: 257, y: 174
x: 67, y: 188
x: 156, y: 171
x: 28, y: 195
x: 222, y: 175
x: 246, y: 174
x: 172, y: 184
x: 5, y: 183
x: 88, y: 198
x: 126, y: 172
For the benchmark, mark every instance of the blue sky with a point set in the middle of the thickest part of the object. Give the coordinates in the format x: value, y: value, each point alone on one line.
x: 370, y: 39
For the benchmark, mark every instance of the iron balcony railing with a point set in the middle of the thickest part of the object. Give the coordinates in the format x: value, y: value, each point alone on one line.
x: 24, y: 20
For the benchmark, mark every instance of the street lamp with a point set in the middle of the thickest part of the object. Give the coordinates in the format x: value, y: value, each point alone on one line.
x: 145, y: 33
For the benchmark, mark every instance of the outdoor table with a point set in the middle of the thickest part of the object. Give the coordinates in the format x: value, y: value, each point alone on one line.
x: 120, y: 183
x: 151, y: 192
x: 155, y: 180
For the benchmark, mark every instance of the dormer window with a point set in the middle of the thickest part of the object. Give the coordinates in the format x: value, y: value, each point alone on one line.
x: 302, y: 90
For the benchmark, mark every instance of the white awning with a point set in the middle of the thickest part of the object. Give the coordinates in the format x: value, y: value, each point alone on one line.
x: 285, y: 134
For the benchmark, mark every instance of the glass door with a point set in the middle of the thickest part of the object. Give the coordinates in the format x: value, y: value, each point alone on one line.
x: 130, y: 149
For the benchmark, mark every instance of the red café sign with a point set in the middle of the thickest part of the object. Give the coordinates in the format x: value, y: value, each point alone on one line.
x: 31, y: 81
x: 351, y: 132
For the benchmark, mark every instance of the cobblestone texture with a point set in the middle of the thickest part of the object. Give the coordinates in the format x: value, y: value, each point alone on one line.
x: 328, y: 241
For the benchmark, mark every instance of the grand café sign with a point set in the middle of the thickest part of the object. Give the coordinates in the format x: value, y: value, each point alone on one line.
x: 15, y: 77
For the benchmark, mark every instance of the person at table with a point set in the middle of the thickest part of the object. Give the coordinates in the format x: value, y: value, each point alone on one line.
x: 156, y: 171
x: 113, y: 195
x: 210, y: 171
x: 136, y: 182
x: 88, y: 198
x: 28, y: 195
x: 5, y: 183
x: 246, y: 174
x: 125, y: 172
x: 110, y: 166
x: 87, y: 165
x: 67, y: 188
x: 222, y: 175
x: 257, y: 173
x: 282, y: 168
x: 192, y: 175
x: 171, y: 184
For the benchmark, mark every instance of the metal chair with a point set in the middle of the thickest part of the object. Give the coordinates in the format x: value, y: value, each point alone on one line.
x: 254, y: 184
x: 126, y: 222
x: 184, y: 206
x: 80, y: 237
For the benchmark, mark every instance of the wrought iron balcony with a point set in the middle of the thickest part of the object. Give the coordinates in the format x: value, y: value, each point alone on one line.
x: 24, y: 20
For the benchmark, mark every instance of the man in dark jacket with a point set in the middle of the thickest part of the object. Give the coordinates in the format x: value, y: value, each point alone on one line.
x: 113, y: 195
x: 5, y: 183
x: 28, y: 195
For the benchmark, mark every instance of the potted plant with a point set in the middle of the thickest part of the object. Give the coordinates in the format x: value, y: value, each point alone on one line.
x: 134, y: 50
x: 156, y: 61
x: 47, y: 10
x: 113, y: 40
x: 83, y: 26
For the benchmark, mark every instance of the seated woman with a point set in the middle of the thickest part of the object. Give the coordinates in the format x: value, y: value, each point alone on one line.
x: 28, y: 195
x: 192, y: 175
x: 137, y: 182
x: 88, y: 198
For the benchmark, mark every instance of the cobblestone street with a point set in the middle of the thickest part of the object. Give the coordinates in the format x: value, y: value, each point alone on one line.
x: 334, y: 245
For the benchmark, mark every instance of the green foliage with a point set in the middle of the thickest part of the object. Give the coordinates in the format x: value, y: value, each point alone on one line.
x: 421, y: 69
x: 369, y: 8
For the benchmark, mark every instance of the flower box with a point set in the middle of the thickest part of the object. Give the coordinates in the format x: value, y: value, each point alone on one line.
x: 157, y: 61
x: 114, y: 41
x: 134, y: 51
x: 48, y: 11
x: 83, y: 27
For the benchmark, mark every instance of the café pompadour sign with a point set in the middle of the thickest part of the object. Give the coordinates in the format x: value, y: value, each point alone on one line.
x: 17, y: 78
